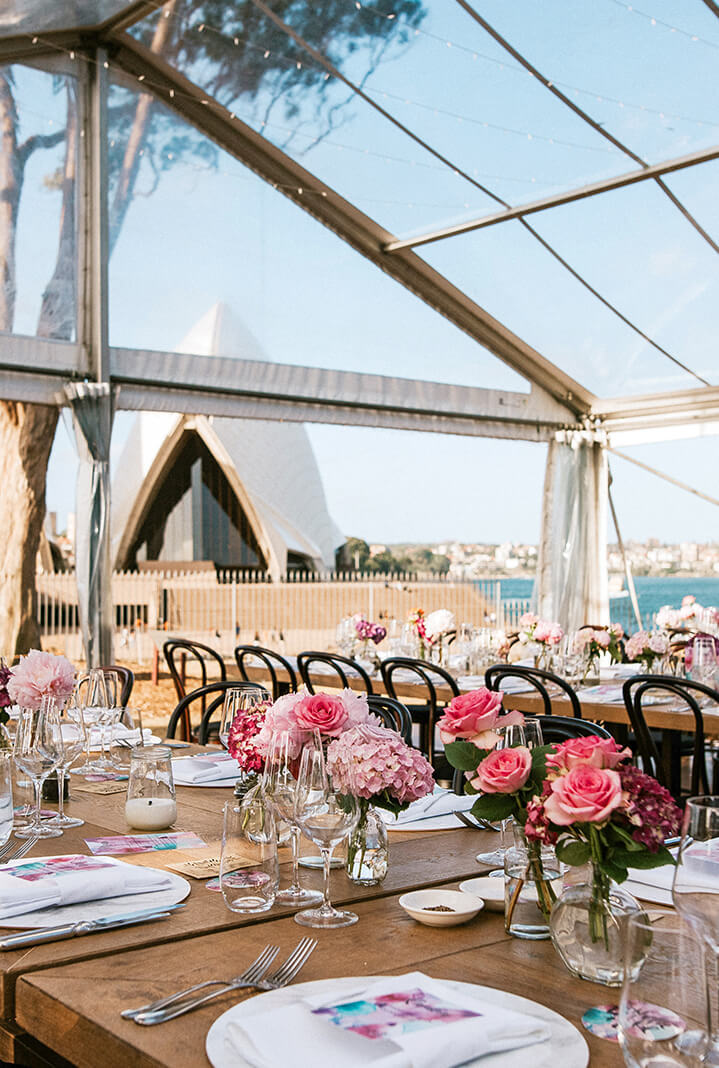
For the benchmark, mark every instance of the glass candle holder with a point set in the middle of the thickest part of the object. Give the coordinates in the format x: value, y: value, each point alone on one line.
x: 151, y: 804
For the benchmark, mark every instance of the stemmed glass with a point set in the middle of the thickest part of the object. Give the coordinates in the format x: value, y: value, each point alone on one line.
x: 73, y: 735
x: 704, y: 660
x: 92, y: 699
x: 39, y: 751
x: 279, y: 787
x: 695, y: 893
x: 327, y: 818
x: 528, y: 733
x: 238, y: 701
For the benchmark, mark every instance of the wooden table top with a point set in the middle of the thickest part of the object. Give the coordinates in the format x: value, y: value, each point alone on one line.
x: 661, y: 717
x: 413, y: 865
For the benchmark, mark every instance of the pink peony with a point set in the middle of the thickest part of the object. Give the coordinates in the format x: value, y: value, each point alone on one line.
x: 549, y: 633
x: 687, y: 600
x: 602, y: 638
x: 471, y: 715
x: 595, y: 751
x: 368, y: 761
x: 584, y: 795
x: 528, y: 620
x: 616, y: 629
x: 503, y: 771
x: 41, y: 675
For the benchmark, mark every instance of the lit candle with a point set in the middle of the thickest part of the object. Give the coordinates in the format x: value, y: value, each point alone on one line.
x: 150, y: 813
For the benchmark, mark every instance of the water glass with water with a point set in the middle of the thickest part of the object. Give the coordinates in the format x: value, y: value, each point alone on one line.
x: 6, y: 806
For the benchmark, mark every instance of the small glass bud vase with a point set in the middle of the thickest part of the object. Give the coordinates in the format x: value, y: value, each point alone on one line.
x: 530, y: 871
x: 368, y: 848
x: 150, y: 804
x: 588, y: 925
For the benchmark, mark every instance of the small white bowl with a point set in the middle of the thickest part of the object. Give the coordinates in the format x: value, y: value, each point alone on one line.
x: 419, y: 905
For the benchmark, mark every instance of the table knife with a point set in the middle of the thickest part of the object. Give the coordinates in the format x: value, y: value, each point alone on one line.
x: 70, y: 930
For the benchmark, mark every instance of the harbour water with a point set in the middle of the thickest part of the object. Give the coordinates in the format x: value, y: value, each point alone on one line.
x: 653, y: 592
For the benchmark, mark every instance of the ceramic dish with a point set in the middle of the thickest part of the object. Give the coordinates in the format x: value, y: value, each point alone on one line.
x: 426, y: 906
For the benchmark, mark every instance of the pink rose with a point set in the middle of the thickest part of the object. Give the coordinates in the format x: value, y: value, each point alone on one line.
x: 602, y: 638
x: 616, y: 629
x: 322, y: 712
x: 503, y: 771
x: 594, y: 751
x: 584, y: 795
x: 528, y: 620
x: 471, y: 715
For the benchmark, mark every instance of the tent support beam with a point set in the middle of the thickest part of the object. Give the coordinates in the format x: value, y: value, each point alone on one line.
x: 569, y: 197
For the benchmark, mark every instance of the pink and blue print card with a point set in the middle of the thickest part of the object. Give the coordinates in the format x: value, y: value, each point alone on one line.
x: 389, y: 1015
x: 119, y: 844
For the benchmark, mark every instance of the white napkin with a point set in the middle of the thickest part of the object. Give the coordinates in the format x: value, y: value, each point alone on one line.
x: 42, y: 883
x: 291, y: 1034
x: 120, y: 731
x: 440, y: 803
x: 205, y: 768
x: 656, y: 884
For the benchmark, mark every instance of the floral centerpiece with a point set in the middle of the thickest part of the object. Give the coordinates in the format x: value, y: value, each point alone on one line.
x: 692, y: 615
x: 647, y: 647
x: 601, y: 812
x: 538, y: 638
x: 242, y: 739
x: 592, y: 643
x: 5, y: 698
x: 376, y: 766
x: 369, y: 635
x: 40, y: 675
x: 431, y: 629
x: 505, y: 780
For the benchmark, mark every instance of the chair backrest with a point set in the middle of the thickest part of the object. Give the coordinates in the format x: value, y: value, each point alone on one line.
x: 341, y: 666
x: 634, y: 691
x: 125, y: 679
x: 176, y: 651
x: 539, y: 680
x: 393, y: 714
x: 554, y: 729
x: 274, y: 662
x: 432, y: 677
x: 209, y: 699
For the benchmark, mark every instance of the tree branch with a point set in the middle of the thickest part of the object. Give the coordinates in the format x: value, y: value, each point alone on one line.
x: 37, y: 141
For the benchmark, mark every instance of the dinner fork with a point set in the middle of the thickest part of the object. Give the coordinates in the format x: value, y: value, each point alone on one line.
x: 8, y: 852
x: 253, y: 971
x: 284, y: 975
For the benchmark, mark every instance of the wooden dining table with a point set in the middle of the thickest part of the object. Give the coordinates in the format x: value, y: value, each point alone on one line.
x: 60, y: 1003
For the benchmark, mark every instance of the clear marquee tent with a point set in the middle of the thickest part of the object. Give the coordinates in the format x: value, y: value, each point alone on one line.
x: 511, y: 166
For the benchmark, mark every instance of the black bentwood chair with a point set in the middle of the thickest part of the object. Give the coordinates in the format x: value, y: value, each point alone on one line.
x: 393, y: 714
x: 276, y: 666
x: 539, y: 679
x: 340, y: 668
x: 210, y: 698
x: 176, y: 652
x: 433, y: 678
x: 663, y: 761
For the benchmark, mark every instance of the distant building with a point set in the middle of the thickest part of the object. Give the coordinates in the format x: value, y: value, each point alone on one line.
x: 241, y: 493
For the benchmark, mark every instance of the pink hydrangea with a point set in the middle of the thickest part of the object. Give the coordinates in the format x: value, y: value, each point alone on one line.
x: 369, y: 761
x: 649, y: 809
x: 41, y: 675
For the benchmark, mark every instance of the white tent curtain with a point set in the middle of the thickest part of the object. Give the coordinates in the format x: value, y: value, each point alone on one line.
x: 93, y: 410
x: 571, y: 584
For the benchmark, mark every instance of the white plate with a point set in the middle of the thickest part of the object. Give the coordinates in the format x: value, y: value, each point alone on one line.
x: 566, y: 1046
x: 100, y: 910
x: 489, y: 888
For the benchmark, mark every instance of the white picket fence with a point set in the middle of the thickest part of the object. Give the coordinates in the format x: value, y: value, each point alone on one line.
x: 228, y: 608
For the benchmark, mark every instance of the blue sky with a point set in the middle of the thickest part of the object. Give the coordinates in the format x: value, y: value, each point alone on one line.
x: 205, y: 235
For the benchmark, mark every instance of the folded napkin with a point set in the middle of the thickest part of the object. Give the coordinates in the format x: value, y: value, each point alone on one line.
x: 655, y: 885
x: 440, y: 803
x: 48, y: 881
x: 205, y: 768
x: 408, y: 1021
x: 121, y: 732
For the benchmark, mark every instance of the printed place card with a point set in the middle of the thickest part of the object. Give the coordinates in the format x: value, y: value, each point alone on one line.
x: 120, y: 844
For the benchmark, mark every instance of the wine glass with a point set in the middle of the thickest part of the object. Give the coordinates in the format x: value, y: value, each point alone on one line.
x: 509, y: 738
x: 327, y: 818
x: 74, y: 738
x: 6, y: 809
x: 92, y: 699
x: 107, y: 718
x: 704, y: 660
x: 38, y: 751
x: 695, y: 893
x: 279, y: 787
x: 238, y: 701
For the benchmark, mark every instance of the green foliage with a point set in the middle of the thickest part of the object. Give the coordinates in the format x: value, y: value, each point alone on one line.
x: 572, y: 852
x: 495, y: 806
x: 464, y: 755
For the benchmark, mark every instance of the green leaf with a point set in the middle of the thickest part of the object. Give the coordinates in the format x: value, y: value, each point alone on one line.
x: 572, y: 852
x: 494, y: 806
x: 464, y: 755
x: 646, y: 860
x: 614, y: 871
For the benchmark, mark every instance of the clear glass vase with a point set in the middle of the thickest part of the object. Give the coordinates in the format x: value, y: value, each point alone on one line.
x: 368, y: 849
x: 588, y: 926
x: 531, y: 873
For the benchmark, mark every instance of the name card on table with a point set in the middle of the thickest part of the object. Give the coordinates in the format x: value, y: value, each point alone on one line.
x: 120, y: 844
